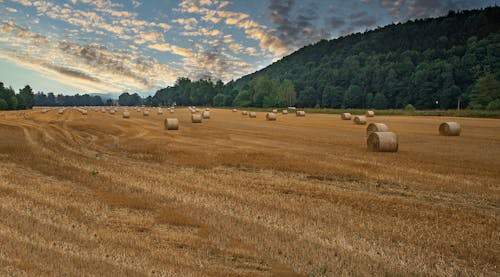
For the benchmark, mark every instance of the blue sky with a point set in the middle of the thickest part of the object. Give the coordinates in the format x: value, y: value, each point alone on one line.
x: 111, y: 46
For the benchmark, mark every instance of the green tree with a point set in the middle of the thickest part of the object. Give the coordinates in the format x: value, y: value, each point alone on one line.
x: 485, y: 90
x: 13, y: 103
x: 494, y: 105
x: 379, y: 101
x: 219, y: 100
x: 354, y: 97
x: 289, y: 92
x: 27, y: 97
x: 243, y: 99
x: 3, y: 105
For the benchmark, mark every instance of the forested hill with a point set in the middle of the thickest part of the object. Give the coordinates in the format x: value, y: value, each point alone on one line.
x: 419, y: 62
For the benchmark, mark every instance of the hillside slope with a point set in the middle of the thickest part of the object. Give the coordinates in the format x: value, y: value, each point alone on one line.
x: 429, y: 63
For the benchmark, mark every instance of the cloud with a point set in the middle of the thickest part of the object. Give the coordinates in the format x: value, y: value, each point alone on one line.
x: 151, y: 36
x: 408, y: 9
x: 181, y: 51
x: 336, y: 22
x: 268, y: 42
x: 71, y: 72
x: 187, y: 23
x: 23, y: 2
x: 163, y: 47
x: 296, y: 27
x: 91, y: 67
x: 136, y: 4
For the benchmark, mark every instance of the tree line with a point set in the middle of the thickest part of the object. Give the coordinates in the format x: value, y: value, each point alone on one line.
x: 9, y: 100
x: 263, y: 92
x: 49, y: 99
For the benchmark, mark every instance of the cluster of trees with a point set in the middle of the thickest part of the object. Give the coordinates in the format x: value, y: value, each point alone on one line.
x: 9, y: 100
x: 263, y: 92
x: 430, y: 63
x: 42, y: 99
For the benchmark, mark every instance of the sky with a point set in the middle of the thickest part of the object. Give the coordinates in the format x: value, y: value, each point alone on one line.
x: 112, y: 46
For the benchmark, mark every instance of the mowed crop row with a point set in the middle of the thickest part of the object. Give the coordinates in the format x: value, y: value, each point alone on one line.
x: 234, y: 195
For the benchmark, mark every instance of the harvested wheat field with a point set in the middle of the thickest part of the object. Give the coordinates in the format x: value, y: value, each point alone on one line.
x: 235, y: 196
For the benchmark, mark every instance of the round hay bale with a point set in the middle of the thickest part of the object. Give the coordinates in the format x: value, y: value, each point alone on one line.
x: 207, y: 109
x: 345, y: 116
x: 244, y: 113
x: 205, y: 114
x: 370, y: 113
x: 271, y: 116
x: 284, y: 111
x: 300, y: 113
x: 111, y: 111
x: 171, y: 124
x: 450, y: 129
x: 103, y: 110
x: 376, y: 127
x: 382, y: 142
x: 145, y: 113
x: 126, y: 114
x: 196, y: 118
x: 171, y: 110
x: 84, y: 112
x: 235, y: 110
x: 160, y: 112
x: 60, y: 111
x: 360, y: 119
x: 252, y: 114
x: 274, y: 111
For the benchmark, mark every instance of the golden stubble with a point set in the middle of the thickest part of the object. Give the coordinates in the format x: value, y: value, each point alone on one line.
x: 242, y: 196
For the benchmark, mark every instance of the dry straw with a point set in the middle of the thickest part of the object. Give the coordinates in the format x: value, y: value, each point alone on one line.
x: 284, y: 111
x: 450, y: 129
x: 205, y: 114
x: 271, y: 116
x: 382, y: 142
x: 244, y: 112
x: 345, y: 116
x: 376, y: 127
x: 126, y: 114
x: 171, y: 124
x: 252, y: 114
x: 360, y: 119
x: 300, y: 113
x: 370, y: 113
x: 196, y: 118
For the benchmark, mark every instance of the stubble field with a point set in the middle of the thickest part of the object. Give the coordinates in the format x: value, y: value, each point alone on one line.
x: 101, y: 195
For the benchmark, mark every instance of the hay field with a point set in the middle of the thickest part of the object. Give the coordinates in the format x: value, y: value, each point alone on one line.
x: 98, y: 194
